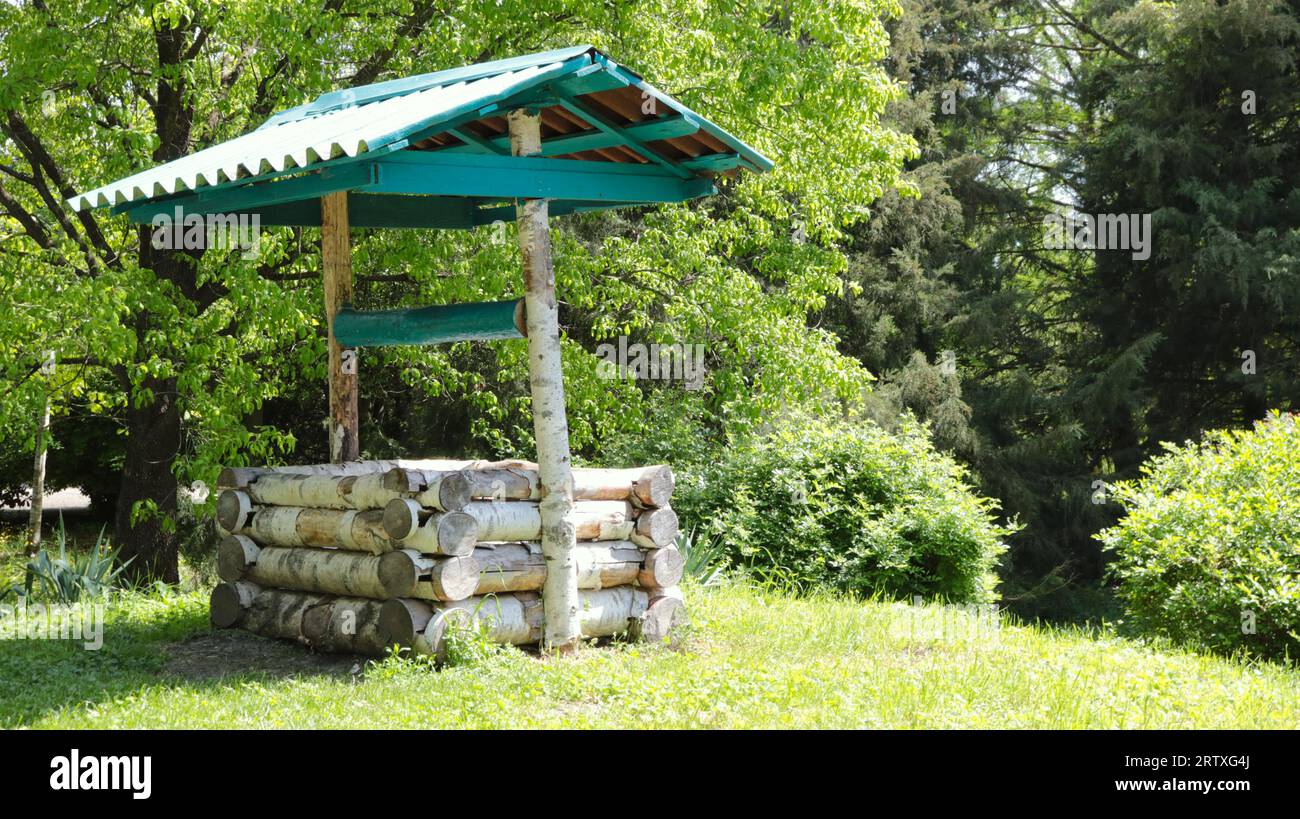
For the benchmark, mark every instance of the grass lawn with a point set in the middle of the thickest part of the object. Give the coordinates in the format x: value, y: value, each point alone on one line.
x: 752, y: 659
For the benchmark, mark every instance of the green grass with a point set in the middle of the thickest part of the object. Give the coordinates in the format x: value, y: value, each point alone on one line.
x: 752, y: 659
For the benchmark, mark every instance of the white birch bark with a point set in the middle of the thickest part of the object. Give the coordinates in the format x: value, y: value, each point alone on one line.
x: 550, y: 423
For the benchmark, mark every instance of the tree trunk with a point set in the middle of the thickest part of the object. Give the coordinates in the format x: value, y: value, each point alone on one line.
x: 546, y: 380
x: 38, y: 475
x: 153, y: 440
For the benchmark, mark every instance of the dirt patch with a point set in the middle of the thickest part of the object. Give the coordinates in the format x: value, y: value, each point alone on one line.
x: 232, y: 653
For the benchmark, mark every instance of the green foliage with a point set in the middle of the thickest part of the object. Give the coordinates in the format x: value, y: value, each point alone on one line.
x: 70, y: 578
x: 706, y: 558
x: 851, y: 507
x: 1210, y: 546
x: 467, y: 640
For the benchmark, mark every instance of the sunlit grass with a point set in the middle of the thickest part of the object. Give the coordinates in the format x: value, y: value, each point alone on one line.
x: 753, y: 659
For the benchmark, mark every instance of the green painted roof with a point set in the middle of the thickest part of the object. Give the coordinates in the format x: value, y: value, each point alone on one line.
x: 609, y: 139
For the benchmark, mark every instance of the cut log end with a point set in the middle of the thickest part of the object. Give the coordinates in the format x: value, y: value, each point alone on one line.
x: 457, y: 533
x: 398, y: 574
x: 521, y: 318
x: 662, y: 620
x: 654, y: 487
x: 235, y: 556
x: 663, y: 568
x: 401, y: 517
x: 401, y: 620
x: 228, y: 603
x: 455, y: 578
x: 454, y: 492
x: 233, y: 509
x: 316, y: 622
x: 659, y: 525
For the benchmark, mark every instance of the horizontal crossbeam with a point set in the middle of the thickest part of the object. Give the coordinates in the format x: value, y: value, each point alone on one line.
x: 438, y: 324
x: 514, y: 177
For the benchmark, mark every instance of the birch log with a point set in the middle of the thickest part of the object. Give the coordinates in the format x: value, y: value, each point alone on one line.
x: 513, y: 619
x: 644, y: 486
x: 238, y: 477
x: 408, y: 573
x: 522, y: 520
x: 324, y: 491
x: 516, y: 619
x: 236, y: 555
x: 344, y: 625
x: 510, y: 480
x: 546, y: 380
x: 298, y: 526
x: 269, y: 612
x: 438, y: 533
x: 665, y: 614
x: 648, y: 486
x: 662, y: 568
x: 510, y: 567
x: 446, y: 491
x: 402, y: 573
x: 403, y: 621
x: 656, y: 528
x: 229, y: 602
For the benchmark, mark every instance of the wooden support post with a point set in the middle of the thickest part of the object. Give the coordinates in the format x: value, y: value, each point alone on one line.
x: 336, y: 268
x: 560, y: 599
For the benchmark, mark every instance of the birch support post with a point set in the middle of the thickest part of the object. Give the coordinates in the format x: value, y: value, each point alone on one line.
x: 336, y: 270
x: 561, y: 630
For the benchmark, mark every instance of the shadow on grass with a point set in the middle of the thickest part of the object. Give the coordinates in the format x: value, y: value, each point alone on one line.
x: 172, y: 648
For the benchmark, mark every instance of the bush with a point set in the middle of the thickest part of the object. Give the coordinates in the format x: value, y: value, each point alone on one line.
x: 1211, y: 540
x: 70, y: 578
x: 850, y: 507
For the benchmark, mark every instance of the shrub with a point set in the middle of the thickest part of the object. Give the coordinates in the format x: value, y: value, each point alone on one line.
x: 1211, y: 541
x: 69, y: 578
x: 850, y: 507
